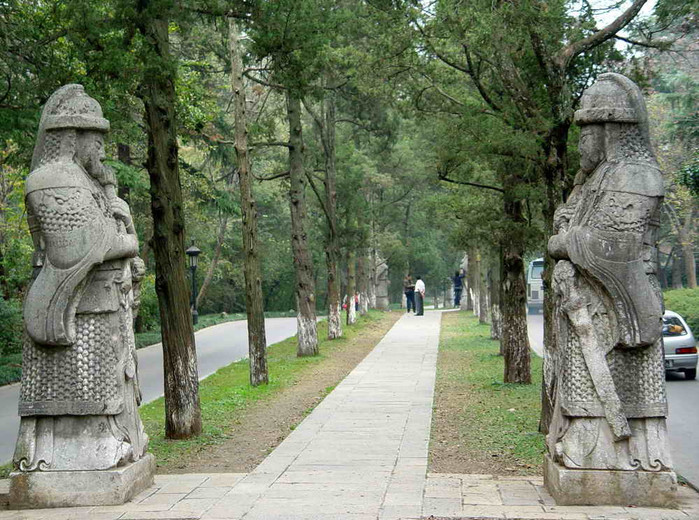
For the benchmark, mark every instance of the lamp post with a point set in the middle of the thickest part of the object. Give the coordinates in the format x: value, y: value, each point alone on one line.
x: 192, y: 253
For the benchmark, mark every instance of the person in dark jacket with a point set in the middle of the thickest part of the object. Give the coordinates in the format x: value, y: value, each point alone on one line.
x: 409, y: 291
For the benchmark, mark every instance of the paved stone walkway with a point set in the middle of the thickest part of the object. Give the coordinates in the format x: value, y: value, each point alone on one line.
x: 361, y: 455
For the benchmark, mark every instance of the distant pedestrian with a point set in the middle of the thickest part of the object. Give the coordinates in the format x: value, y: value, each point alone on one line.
x: 458, y: 281
x: 409, y: 291
x: 419, y: 297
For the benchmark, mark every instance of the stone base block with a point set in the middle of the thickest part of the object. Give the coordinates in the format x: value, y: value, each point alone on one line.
x: 44, y: 489
x: 591, y: 487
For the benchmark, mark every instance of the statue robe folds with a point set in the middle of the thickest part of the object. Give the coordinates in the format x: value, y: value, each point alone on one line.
x: 612, y: 404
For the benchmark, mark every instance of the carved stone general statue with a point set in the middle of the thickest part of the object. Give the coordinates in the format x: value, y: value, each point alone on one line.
x: 382, y: 283
x: 81, y: 440
x: 608, y: 441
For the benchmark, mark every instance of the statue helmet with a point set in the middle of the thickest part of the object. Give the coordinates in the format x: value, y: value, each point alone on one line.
x: 613, y: 98
x: 68, y: 108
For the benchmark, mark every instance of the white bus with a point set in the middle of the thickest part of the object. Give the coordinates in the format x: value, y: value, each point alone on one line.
x: 535, y: 286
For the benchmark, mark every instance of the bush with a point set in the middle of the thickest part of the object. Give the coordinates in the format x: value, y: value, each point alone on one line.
x: 148, y: 313
x: 684, y: 302
x: 10, y: 327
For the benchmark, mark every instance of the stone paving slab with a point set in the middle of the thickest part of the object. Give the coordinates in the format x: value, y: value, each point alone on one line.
x: 486, y: 497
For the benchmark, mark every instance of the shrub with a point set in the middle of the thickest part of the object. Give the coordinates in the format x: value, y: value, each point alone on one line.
x: 10, y: 327
x: 148, y: 313
x: 684, y: 302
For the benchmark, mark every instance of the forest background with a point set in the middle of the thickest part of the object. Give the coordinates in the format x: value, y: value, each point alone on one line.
x: 423, y: 131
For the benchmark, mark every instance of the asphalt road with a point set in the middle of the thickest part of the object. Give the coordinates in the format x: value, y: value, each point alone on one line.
x: 683, y: 421
x: 217, y: 347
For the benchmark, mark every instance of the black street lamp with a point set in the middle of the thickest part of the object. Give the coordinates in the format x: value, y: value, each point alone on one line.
x: 192, y: 253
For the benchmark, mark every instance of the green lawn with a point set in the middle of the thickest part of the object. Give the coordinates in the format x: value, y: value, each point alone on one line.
x: 495, y: 420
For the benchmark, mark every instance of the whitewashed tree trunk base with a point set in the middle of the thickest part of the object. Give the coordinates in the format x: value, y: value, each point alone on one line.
x: 335, y: 322
x: 307, y: 336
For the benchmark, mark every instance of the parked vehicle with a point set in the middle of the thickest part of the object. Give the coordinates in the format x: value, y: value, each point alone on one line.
x: 535, y: 286
x: 680, y: 346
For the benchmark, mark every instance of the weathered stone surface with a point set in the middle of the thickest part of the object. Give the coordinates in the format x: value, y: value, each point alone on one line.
x: 382, y: 283
x: 611, y: 404
x: 41, y: 489
x: 79, y: 392
x: 590, y: 487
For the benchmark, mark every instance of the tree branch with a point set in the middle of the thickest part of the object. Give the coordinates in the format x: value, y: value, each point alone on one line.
x: 649, y: 45
x: 323, y: 205
x: 269, y: 143
x: 567, y: 54
x: 271, y: 177
x: 474, y: 184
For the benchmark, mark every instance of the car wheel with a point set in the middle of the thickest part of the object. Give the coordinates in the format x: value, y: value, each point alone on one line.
x: 690, y: 374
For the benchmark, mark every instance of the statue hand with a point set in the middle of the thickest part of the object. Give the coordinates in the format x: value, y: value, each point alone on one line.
x: 121, y: 211
x: 558, y: 247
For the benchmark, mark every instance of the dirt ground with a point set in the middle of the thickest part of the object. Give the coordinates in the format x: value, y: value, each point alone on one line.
x: 265, y: 424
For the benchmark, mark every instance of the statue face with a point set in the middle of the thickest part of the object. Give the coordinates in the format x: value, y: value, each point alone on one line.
x: 592, y: 147
x: 90, y: 152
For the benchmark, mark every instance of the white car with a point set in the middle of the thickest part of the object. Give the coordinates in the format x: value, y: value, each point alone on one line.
x: 680, y: 346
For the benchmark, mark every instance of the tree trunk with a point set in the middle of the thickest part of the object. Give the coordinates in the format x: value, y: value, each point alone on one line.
x: 473, y: 279
x: 363, y: 283
x: 124, y: 156
x: 332, y: 244
x: 494, y: 290
x: 223, y: 224
x: 372, y: 279
x: 484, y: 295
x: 182, y: 411
x: 677, y: 270
x: 303, y: 264
x: 351, y: 287
x: 686, y: 235
x: 465, y: 297
x: 257, y: 340
x: 514, y: 301
x: 555, y: 178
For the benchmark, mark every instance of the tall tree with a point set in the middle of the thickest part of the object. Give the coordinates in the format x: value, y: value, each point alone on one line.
x: 182, y: 409
x: 307, y: 331
x: 257, y: 343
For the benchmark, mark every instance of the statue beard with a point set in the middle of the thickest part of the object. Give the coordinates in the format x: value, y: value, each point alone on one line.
x: 100, y: 172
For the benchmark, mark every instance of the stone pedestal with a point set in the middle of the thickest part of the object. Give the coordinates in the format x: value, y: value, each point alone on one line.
x: 44, y: 489
x: 590, y: 487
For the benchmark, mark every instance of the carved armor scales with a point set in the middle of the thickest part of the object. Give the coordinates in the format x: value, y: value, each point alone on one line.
x: 608, y: 241
x: 72, y: 364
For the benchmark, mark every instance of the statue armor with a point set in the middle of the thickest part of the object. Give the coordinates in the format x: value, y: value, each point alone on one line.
x: 611, y: 403
x: 79, y: 391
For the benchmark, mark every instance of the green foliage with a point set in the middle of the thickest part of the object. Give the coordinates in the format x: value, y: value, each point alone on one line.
x: 10, y: 327
x: 688, y: 175
x: 148, y: 313
x: 684, y: 302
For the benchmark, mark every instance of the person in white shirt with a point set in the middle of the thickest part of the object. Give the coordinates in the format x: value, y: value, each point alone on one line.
x: 419, y: 297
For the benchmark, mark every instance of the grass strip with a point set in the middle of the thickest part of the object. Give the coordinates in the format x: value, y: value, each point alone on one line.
x: 480, y: 424
x: 226, y: 393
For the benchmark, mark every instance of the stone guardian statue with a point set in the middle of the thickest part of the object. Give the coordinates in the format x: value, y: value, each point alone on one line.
x: 608, y: 441
x: 81, y: 440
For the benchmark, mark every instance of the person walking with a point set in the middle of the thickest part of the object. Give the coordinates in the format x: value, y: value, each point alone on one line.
x: 458, y: 281
x: 419, y: 297
x: 409, y: 291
